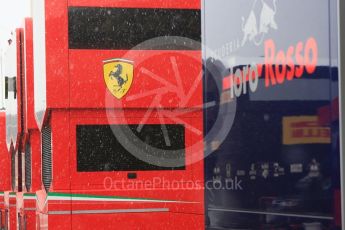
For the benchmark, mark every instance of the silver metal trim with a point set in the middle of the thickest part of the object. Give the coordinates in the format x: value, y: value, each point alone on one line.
x: 118, y: 59
x: 141, y: 210
x: 59, y: 212
x: 273, y: 213
x: 341, y: 45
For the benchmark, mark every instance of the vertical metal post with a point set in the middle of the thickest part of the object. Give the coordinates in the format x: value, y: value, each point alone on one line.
x: 341, y: 42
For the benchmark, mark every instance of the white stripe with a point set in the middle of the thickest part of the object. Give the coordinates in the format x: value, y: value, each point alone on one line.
x: 142, y: 210
x: 119, y: 200
x: 66, y: 198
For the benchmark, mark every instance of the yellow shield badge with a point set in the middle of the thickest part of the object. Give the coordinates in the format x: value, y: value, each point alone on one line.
x: 118, y: 76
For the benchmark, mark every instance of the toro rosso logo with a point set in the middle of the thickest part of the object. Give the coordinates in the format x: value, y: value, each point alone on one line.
x: 253, y: 31
x: 278, y: 65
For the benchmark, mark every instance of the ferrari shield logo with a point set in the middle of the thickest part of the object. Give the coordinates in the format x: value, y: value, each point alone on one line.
x: 118, y: 76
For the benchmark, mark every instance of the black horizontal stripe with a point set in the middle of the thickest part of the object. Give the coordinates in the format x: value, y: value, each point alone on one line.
x: 128, y: 28
x: 98, y: 149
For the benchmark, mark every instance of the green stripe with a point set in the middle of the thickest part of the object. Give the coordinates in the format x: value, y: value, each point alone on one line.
x: 29, y: 194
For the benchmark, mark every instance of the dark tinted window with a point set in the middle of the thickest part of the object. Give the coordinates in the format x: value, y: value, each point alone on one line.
x: 125, y: 28
x: 10, y: 86
x: 98, y: 149
x: 6, y: 87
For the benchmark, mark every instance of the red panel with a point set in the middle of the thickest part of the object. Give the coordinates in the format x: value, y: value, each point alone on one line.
x: 30, y: 219
x: 13, y: 213
x: 20, y: 91
x: 59, y: 222
x: 4, y: 156
x: 29, y: 76
x: 2, y: 211
x: 196, y: 205
x: 29, y: 203
x: 79, y: 179
x: 82, y: 182
x: 153, y: 71
x: 57, y: 54
x: 183, y: 4
x: 143, y: 221
x: 60, y: 150
x: 188, y: 183
x: 57, y: 45
x: 20, y: 76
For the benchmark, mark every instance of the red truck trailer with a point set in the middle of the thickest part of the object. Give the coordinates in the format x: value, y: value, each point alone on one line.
x: 112, y: 155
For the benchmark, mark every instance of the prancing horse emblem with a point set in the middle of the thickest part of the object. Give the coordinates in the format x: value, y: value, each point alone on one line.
x: 118, y: 76
x: 116, y: 73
